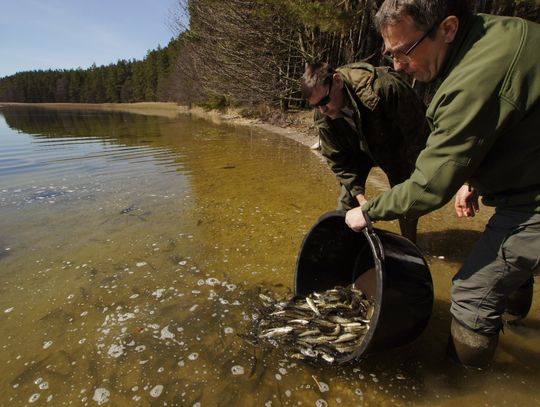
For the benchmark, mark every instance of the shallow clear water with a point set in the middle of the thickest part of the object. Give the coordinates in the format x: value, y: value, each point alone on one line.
x: 132, y: 252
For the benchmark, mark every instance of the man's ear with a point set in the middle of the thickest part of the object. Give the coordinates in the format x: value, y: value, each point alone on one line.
x: 449, y: 27
x: 338, y: 81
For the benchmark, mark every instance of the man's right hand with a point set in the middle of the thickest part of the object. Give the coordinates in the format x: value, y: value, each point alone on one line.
x: 466, y: 203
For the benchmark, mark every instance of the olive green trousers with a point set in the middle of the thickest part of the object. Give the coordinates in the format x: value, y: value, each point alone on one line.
x: 502, y: 261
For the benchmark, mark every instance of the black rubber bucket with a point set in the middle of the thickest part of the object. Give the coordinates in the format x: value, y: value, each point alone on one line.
x: 385, y: 266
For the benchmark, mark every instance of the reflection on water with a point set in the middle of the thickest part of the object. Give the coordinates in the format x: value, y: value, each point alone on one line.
x: 132, y: 252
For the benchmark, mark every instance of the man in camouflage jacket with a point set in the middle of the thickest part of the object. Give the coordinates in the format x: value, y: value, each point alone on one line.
x: 366, y: 117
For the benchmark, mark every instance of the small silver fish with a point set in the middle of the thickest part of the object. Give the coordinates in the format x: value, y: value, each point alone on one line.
x: 312, y: 305
x: 279, y: 331
x: 345, y: 338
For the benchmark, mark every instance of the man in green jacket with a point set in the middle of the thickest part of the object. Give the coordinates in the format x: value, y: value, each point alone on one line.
x: 484, y: 141
x: 366, y: 117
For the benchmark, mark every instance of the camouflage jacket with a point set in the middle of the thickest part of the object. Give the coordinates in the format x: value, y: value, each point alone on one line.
x: 391, y: 128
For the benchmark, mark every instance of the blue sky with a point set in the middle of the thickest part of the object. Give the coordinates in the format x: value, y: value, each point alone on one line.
x: 65, y: 34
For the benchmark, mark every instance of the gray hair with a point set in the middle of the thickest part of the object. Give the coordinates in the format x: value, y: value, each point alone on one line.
x: 319, y: 73
x: 425, y: 13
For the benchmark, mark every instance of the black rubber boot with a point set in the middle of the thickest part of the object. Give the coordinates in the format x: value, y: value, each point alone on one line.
x: 519, y: 303
x: 469, y: 348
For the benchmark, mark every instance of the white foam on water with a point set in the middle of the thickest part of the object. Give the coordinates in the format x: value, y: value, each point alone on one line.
x: 323, y: 387
x: 158, y: 293
x: 47, y: 344
x: 321, y: 403
x: 33, y: 398
x: 228, y: 330
x: 237, y: 370
x: 212, y: 281
x: 141, y: 263
x: 156, y: 391
x: 126, y: 316
x: 166, y: 334
x: 193, y: 356
x: 115, y: 350
x: 44, y: 386
x: 140, y: 348
x: 101, y: 395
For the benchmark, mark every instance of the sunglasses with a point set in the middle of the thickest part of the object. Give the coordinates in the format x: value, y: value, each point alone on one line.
x: 325, y: 99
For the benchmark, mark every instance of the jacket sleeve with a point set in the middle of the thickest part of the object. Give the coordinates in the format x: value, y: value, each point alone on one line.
x: 351, y: 168
x: 464, y: 127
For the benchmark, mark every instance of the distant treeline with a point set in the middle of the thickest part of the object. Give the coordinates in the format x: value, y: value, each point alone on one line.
x: 243, y: 51
x: 125, y: 81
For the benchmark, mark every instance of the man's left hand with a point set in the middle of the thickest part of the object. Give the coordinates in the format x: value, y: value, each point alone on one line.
x: 354, y: 218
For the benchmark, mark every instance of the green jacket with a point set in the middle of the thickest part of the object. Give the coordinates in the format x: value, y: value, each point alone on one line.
x: 485, y: 122
x: 391, y: 129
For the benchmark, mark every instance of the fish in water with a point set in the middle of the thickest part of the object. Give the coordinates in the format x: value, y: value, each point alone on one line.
x: 329, y: 325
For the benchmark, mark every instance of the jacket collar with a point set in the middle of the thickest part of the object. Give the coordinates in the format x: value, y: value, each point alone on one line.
x: 358, y: 85
x: 459, y: 46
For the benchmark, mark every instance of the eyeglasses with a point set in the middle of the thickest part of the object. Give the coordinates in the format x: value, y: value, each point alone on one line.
x: 403, y: 56
x: 325, y: 99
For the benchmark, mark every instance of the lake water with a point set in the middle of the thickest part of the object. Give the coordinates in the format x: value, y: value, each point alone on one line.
x: 132, y: 252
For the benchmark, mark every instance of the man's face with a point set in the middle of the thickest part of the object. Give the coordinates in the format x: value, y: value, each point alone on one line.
x: 334, y: 97
x: 425, y: 60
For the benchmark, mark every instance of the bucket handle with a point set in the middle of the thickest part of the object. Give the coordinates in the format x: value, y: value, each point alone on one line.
x: 374, y: 241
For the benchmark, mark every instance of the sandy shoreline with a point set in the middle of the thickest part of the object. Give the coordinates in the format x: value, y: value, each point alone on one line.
x: 302, y: 131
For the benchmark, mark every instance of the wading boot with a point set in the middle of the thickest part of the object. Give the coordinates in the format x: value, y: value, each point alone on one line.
x: 469, y: 348
x: 519, y: 303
